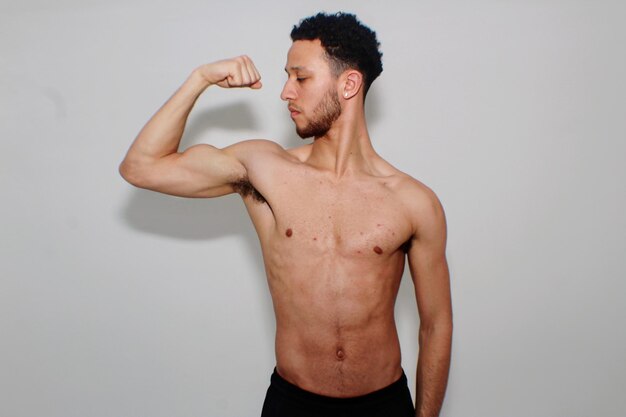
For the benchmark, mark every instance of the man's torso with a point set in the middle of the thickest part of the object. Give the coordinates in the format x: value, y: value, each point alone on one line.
x: 334, y: 253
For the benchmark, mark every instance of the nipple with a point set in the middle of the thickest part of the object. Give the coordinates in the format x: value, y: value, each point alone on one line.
x: 378, y: 250
x: 289, y: 232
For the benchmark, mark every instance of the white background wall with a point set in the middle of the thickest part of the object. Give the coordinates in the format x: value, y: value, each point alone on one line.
x: 116, y: 301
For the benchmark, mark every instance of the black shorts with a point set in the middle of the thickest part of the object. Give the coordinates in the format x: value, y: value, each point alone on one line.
x: 284, y: 399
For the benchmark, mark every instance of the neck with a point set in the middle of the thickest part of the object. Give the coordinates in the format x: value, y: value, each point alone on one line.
x: 346, y: 148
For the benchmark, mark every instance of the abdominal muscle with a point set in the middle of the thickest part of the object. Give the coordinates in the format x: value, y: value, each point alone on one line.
x: 335, y: 328
x: 348, y: 364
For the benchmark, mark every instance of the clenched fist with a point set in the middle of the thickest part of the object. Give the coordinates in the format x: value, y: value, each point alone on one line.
x: 229, y: 73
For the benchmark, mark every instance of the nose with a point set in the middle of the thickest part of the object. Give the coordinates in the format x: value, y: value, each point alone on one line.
x: 288, y: 92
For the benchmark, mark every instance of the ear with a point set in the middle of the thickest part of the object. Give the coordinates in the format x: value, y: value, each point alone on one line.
x: 353, y: 82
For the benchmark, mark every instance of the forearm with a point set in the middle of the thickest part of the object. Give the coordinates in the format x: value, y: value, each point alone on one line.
x: 162, y: 134
x: 432, y: 369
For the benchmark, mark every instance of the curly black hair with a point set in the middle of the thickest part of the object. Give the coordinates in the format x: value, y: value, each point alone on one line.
x: 347, y: 43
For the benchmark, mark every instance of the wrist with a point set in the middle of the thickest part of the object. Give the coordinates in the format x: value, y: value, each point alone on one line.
x: 197, y: 80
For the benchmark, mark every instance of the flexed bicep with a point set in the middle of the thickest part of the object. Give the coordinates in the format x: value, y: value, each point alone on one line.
x: 154, y: 162
x: 200, y: 171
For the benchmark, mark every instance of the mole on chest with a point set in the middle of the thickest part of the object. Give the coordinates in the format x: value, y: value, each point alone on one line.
x: 338, y: 239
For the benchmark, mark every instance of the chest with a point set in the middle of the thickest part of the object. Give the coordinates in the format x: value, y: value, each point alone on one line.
x: 362, y: 217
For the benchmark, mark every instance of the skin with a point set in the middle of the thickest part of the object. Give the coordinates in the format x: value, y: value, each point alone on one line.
x: 335, y: 222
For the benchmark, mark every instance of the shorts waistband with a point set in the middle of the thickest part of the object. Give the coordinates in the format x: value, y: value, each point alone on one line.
x: 391, y: 391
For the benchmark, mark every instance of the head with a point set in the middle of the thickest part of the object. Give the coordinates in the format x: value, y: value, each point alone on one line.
x: 347, y: 43
x: 332, y: 56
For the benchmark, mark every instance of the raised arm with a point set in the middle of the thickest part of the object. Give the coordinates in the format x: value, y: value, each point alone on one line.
x: 153, y: 160
x: 429, y: 270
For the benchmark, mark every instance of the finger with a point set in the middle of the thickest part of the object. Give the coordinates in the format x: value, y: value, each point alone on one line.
x: 257, y: 75
x: 239, y: 72
x: 235, y: 78
x: 254, y: 74
x: 246, y: 77
x: 256, y: 85
x: 252, y: 71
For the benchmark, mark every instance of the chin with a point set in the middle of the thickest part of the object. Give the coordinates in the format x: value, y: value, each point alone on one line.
x: 304, y: 132
x: 303, y: 135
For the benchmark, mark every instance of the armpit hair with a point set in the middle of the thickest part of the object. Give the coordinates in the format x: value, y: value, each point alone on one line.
x: 406, y: 246
x: 244, y: 187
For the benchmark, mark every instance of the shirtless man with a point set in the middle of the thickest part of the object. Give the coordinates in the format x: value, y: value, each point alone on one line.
x: 335, y: 222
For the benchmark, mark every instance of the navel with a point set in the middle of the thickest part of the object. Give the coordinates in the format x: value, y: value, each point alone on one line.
x: 289, y: 232
x: 378, y: 250
x: 340, y: 354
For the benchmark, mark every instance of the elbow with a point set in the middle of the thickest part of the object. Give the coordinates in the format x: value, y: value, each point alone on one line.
x: 131, y: 172
x: 439, y: 334
x: 441, y: 326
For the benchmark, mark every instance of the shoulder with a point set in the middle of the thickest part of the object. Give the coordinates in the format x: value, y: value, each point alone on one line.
x: 302, y: 152
x: 421, y: 204
x: 254, y: 145
x: 257, y: 151
x: 424, y: 208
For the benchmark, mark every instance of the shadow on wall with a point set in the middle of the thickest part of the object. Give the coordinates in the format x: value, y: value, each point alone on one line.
x: 204, y: 219
x: 234, y: 116
x: 186, y: 218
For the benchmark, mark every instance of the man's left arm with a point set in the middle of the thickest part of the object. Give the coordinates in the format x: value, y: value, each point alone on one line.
x: 429, y: 270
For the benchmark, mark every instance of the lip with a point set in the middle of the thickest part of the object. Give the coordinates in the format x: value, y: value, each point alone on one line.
x: 294, y: 112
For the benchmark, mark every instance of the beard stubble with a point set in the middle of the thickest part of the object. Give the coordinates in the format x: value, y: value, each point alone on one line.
x: 324, y: 115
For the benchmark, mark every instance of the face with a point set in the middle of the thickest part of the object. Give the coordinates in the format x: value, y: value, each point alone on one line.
x: 310, y: 89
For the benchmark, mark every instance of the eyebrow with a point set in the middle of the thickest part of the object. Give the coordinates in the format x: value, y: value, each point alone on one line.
x: 295, y: 68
